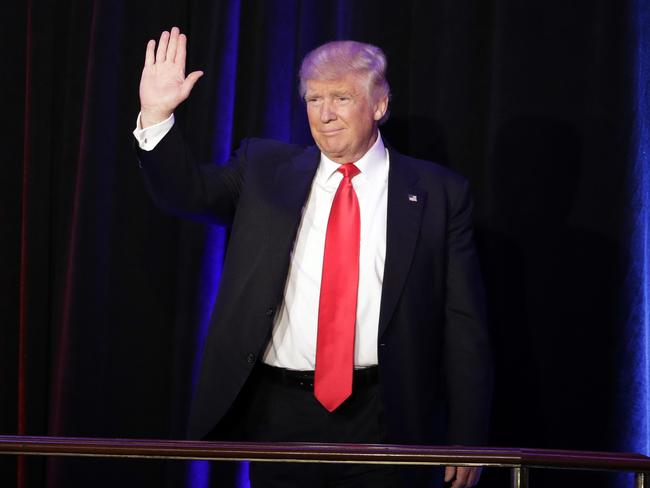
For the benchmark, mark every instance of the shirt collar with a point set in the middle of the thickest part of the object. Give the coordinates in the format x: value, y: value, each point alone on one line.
x: 373, y: 165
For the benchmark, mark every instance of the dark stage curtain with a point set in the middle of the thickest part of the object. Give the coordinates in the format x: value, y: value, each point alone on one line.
x: 103, y: 299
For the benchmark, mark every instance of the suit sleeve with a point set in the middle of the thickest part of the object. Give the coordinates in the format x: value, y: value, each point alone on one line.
x: 178, y: 185
x: 468, y: 361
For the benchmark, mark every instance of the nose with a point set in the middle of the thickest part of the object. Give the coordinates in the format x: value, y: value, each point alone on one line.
x: 327, y: 113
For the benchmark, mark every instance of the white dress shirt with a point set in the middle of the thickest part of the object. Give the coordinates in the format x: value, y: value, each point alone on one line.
x: 293, y: 341
x: 150, y: 137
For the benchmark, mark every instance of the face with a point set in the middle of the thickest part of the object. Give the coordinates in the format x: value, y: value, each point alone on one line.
x: 342, y: 118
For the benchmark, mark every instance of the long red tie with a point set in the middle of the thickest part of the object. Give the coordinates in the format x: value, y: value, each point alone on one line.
x: 337, y: 310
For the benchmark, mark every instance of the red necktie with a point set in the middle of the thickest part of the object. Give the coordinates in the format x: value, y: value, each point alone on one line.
x: 337, y: 311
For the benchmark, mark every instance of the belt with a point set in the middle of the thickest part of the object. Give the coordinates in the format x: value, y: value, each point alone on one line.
x: 305, y: 379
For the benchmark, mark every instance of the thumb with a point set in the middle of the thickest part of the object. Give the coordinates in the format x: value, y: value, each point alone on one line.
x: 450, y: 472
x: 189, y: 82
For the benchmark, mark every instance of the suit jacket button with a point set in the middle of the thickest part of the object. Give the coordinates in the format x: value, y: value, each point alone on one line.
x: 250, y: 359
x: 269, y: 312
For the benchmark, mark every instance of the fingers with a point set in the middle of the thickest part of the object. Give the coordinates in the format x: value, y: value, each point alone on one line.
x: 474, y: 476
x: 189, y: 82
x: 161, y: 53
x: 450, y: 472
x: 181, y: 51
x: 460, y: 481
x: 149, y: 56
x: 171, y: 46
x: 462, y: 476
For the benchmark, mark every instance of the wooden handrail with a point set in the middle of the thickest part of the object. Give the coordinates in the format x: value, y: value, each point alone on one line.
x: 330, y: 453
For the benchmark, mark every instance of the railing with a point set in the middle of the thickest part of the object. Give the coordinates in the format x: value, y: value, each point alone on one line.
x: 519, y: 461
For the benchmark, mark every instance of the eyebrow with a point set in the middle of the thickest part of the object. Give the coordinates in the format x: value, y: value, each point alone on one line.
x: 333, y: 93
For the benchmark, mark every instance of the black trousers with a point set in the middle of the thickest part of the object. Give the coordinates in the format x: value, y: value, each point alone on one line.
x: 270, y: 409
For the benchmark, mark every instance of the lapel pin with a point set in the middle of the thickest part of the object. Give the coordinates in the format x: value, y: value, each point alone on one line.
x: 413, y: 198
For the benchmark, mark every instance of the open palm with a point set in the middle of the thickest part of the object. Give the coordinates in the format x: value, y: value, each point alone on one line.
x: 163, y: 85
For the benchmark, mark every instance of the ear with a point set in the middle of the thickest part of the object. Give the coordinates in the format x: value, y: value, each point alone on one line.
x: 380, y: 108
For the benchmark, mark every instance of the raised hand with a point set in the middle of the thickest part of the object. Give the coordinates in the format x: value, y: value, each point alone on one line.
x: 163, y: 85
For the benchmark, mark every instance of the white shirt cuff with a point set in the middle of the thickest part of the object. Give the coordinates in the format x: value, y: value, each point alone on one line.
x: 150, y: 137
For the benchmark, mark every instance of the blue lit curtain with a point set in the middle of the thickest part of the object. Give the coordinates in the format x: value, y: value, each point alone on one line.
x: 636, y: 373
x: 104, y: 300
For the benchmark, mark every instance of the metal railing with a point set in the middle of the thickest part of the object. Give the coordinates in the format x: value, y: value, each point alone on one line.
x: 519, y: 461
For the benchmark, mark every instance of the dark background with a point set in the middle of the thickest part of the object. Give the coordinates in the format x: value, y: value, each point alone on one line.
x: 102, y: 296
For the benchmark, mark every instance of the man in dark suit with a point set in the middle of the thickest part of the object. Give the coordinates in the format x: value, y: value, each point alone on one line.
x: 350, y: 307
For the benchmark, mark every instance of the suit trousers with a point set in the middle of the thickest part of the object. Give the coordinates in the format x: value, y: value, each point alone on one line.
x: 272, y: 410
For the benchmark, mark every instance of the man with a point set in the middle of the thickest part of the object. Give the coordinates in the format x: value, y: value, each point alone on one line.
x: 350, y: 307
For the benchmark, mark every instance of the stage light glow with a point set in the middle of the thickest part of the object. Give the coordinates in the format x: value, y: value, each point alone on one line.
x: 637, y: 387
x: 198, y: 475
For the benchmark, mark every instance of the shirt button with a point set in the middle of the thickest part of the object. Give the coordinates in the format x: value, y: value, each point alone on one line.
x: 250, y: 359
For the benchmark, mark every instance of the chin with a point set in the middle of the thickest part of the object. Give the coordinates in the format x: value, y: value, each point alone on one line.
x: 334, y: 155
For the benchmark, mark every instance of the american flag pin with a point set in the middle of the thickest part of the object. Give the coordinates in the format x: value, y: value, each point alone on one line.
x: 413, y: 198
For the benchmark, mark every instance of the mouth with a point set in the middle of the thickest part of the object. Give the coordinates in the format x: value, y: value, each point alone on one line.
x: 330, y: 132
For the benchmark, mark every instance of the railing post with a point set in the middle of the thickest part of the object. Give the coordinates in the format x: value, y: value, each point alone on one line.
x: 519, y: 477
x: 639, y: 480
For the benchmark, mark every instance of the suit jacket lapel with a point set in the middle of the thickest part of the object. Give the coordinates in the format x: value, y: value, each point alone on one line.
x: 291, y: 187
x: 405, y: 203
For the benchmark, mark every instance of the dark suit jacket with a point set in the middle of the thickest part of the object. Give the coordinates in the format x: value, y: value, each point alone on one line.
x: 434, y: 360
